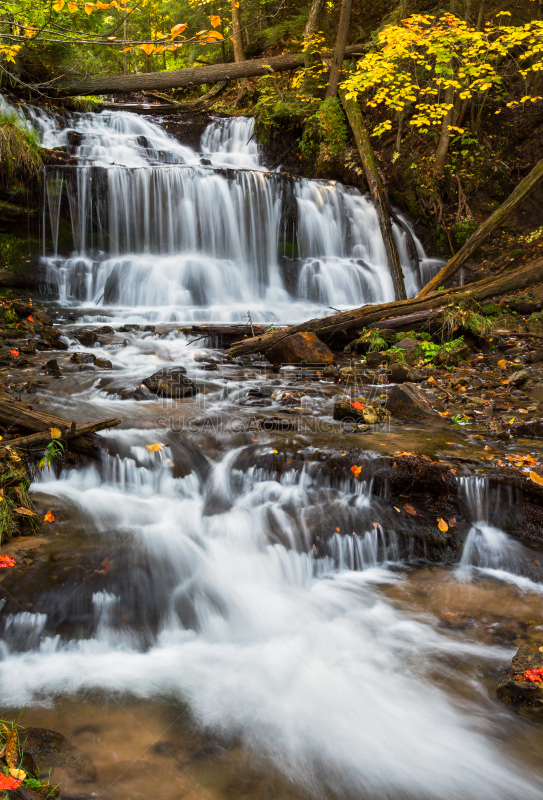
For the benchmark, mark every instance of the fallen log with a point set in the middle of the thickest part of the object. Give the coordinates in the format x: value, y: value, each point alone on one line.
x: 14, y: 412
x: 406, y: 320
x: 358, y: 318
x: 44, y: 437
x: 191, y: 76
x: 521, y: 191
x: 171, y: 107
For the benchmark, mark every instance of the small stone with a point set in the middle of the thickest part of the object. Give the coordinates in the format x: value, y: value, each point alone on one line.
x: 52, y: 368
x: 376, y: 358
x: 86, y: 337
x: 83, y: 358
x: 103, y: 363
x: 399, y: 373
x: 171, y: 382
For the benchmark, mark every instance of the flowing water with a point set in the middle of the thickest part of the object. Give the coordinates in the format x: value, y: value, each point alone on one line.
x: 220, y: 617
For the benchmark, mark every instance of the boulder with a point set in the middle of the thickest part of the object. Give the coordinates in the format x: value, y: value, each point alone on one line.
x: 83, y: 358
x: 50, y: 749
x: 450, y: 357
x: 376, y: 358
x: 300, y: 347
x: 409, y: 402
x: 409, y: 347
x: 399, y: 373
x: 170, y: 382
x: 515, y: 689
x: 103, y: 363
x: 52, y: 368
x: 86, y: 337
x: 519, y: 378
x: 358, y: 375
x: 347, y: 410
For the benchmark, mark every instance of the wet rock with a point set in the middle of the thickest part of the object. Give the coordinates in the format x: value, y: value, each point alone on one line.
x: 376, y: 358
x: 407, y: 401
x: 105, y: 330
x: 353, y: 375
x: 532, y: 429
x: 205, y: 162
x: 171, y: 382
x: 129, y: 327
x: 260, y: 397
x: 52, y: 368
x: 51, y: 749
x: 456, y: 620
x: 300, y: 347
x: 447, y: 357
x: 399, y: 373
x: 86, y: 337
x: 346, y: 410
x: 52, y: 337
x: 515, y: 689
x: 278, y: 424
x: 103, y: 363
x: 519, y: 378
x: 535, y: 357
x: 409, y: 349
x: 83, y: 358
x: 330, y: 372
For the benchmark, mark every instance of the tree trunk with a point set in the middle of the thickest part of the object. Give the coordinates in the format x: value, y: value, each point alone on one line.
x: 237, y: 39
x: 312, y: 59
x: 356, y: 121
x: 182, y: 78
x: 44, y: 437
x: 521, y: 191
x: 358, y: 318
x: 339, y: 52
x: 313, y: 19
x: 445, y: 138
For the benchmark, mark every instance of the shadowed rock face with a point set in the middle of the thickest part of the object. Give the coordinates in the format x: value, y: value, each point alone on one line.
x: 51, y: 749
x: 171, y: 383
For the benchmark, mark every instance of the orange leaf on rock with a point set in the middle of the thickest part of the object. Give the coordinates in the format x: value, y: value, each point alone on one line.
x: 7, y: 782
x: 153, y: 448
x: 356, y: 471
x: 442, y: 525
x: 357, y: 405
x: 14, y: 353
x: 49, y: 517
x: 31, y: 319
x: 452, y: 522
x: 534, y: 675
x: 536, y: 478
x: 410, y: 510
x: 502, y: 363
x: 6, y: 561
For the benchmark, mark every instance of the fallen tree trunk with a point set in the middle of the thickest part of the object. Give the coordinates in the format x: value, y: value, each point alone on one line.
x: 407, y: 320
x: 191, y: 76
x: 521, y: 191
x: 357, y: 319
x: 171, y: 107
x: 44, y: 437
x: 380, y: 200
x: 13, y: 412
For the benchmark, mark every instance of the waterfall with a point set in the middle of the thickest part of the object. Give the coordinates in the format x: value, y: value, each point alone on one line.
x: 486, y: 547
x: 160, y: 231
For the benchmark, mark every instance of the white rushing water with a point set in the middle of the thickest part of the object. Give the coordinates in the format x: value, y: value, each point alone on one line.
x: 297, y: 654
x: 162, y: 232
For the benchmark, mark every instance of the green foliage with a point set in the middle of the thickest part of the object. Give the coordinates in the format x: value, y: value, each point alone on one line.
x: 397, y: 355
x: 429, y: 350
x: 52, y: 452
x: 325, y: 136
x: 20, y: 151
x: 460, y: 419
x: 9, y: 315
x: 463, y: 229
x: 13, y: 251
x: 426, y: 337
x: 274, y: 117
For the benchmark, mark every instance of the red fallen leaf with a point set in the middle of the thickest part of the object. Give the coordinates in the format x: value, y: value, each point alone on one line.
x: 534, y: 675
x: 6, y: 561
x: 356, y: 471
x: 106, y: 566
x: 30, y: 319
x: 49, y: 517
x: 7, y: 782
x: 14, y: 353
x: 358, y: 405
x: 410, y: 510
x: 338, y: 529
x: 452, y: 522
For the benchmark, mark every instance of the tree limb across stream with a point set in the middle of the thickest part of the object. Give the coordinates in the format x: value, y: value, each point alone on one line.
x: 356, y: 319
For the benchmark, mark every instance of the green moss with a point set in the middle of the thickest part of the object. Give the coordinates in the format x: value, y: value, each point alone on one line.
x: 20, y: 151
x: 274, y: 118
x: 463, y: 230
x: 325, y: 136
x: 13, y: 251
x: 492, y: 310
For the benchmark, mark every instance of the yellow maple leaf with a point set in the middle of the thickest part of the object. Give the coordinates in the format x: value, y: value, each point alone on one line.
x: 56, y: 433
x: 536, y: 478
x: 215, y: 20
x: 147, y: 48
x: 153, y: 448
x: 442, y: 525
x: 502, y: 364
x: 88, y: 8
x: 72, y: 7
x: 59, y: 5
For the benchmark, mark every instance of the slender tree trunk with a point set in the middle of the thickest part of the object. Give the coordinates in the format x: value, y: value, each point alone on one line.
x: 313, y: 19
x: 125, y: 63
x: 356, y: 121
x: 521, y: 191
x: 445, y: 138
x: 312, y: 59
x: 339, y: 52
x: 239, y: 52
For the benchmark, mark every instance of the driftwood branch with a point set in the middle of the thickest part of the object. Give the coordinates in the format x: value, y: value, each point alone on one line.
x: 521, y: 192
x: 359, y: 318
x: 171, y: 106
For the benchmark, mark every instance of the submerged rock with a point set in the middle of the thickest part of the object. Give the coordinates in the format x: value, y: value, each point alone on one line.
x: 86, y: 337
x: 83, y: 358
x: 171, y: 382
x: 103, y: 363
x: 51, y: 749
x: 300, y: 347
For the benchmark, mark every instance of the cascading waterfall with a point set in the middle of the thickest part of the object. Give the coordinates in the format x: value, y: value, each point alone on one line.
x: 165, y: 233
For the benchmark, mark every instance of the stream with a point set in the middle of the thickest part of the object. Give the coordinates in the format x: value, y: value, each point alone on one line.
x: 182, y: 627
